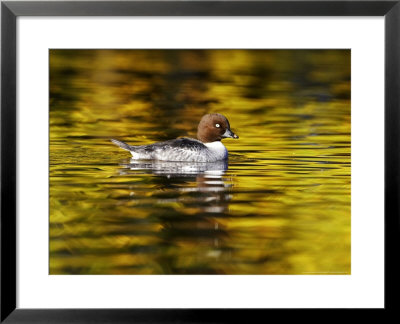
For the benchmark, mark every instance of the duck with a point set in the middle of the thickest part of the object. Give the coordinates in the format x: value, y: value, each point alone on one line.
x: 207, y: 147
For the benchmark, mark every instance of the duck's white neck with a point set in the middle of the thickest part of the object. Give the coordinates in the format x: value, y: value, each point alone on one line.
x: 218, y: 149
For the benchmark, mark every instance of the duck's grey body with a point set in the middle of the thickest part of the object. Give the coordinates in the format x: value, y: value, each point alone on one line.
x: 181, y: 149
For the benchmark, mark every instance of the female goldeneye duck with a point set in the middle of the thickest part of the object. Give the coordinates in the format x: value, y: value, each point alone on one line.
x: 206, y: 148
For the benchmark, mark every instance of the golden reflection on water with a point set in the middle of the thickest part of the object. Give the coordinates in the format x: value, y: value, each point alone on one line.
x: 280, y: 206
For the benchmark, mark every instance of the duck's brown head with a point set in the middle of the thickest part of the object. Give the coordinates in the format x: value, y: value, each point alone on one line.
x: 214, y: 127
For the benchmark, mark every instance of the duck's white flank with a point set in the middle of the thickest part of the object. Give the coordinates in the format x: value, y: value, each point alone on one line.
x: 218, y: 149
x: 135, y: 155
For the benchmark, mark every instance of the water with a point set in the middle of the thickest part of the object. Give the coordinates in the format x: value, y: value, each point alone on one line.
x: 281, y: 205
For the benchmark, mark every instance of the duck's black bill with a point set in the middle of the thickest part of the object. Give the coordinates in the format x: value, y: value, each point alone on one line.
x: 230, y: 134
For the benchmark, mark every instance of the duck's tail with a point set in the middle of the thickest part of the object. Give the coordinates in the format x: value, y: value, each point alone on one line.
x: 122, y: 145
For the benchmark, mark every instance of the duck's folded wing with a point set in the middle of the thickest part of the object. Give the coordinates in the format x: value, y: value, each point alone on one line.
x: 181, y: 149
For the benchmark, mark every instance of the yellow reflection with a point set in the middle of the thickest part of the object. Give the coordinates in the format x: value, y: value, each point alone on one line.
x: 282, y: 204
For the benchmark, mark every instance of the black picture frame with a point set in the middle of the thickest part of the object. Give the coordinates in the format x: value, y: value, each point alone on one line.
x: 10, y: 10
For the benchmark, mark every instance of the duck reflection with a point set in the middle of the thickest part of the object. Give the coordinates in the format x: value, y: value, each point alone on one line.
x: 190, y: 203
x: 178, y: 169
x: 211, y: 184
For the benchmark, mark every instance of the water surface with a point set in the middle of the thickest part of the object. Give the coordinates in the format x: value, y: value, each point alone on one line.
x: 280, y: 205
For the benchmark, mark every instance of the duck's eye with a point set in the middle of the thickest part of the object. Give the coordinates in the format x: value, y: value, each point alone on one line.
x: 217, y: 125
